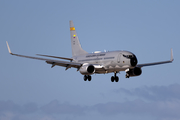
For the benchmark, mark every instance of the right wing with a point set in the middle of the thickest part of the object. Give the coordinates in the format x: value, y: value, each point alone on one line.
x: 157, y: 63
x: 51, y: 61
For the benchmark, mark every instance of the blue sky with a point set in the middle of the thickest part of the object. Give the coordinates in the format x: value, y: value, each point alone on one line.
x: 30, y: 89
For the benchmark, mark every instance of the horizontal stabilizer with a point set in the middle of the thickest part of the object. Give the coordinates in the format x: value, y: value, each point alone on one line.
x: 55, y: 57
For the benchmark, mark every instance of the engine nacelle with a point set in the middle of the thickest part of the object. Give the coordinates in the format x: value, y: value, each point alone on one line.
x: 134, y: 72
x: 87, y: 69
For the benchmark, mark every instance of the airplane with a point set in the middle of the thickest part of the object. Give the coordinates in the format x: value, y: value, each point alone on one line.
x: 97, y: 62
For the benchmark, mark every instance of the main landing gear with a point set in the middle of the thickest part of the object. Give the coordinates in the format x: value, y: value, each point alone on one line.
x: 114, y: 78
x: 87, y: 77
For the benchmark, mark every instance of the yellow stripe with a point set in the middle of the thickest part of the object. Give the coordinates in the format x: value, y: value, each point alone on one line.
x: 72, y: 28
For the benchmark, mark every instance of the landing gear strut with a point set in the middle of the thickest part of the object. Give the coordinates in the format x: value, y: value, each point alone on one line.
x: 87, y: 77
x: 114, y: 78
x: 127, y: 75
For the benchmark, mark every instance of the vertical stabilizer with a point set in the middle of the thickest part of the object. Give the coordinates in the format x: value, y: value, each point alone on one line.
x: 75, y: 44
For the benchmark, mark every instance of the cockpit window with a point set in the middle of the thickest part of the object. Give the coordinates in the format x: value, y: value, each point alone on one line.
x: 128, y: 56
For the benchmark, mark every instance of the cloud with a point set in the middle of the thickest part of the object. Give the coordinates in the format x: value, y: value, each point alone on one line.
x: 54, y: 107
x: 12, y: 111
x: 11, y: 106
x: 160, y: 109
x: 154, y: 93
x: 113, y: 108
x: 163, y: 104
x: 29, y: 108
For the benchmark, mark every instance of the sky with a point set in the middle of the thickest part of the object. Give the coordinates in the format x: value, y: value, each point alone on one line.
x: 31, y: 89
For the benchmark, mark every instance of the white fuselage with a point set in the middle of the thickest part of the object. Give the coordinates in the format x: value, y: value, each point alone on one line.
x: 109, y: 61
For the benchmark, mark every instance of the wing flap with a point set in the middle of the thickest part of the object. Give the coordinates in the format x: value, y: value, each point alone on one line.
x: 64, y: 63
x: 55, y: 57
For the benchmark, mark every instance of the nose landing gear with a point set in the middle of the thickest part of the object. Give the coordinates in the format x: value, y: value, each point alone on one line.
x: 127, y: 75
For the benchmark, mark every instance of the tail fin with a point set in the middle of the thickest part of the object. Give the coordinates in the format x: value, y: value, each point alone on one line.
x: 75, y: 44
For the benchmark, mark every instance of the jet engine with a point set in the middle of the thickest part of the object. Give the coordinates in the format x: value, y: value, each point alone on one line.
x: 87, y: 69
x: 134, y: 72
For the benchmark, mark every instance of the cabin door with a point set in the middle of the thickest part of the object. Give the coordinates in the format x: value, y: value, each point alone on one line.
x: 119, y: 58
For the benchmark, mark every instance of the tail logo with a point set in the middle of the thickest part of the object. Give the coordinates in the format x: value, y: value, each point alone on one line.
x: 72, y: 28
x: 74, y: 36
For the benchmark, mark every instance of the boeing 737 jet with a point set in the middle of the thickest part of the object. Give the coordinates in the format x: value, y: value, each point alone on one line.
x: 98, y: 62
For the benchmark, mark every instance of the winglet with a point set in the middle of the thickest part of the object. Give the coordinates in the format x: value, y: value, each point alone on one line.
x: 172, y: 55
x: 8, y: 48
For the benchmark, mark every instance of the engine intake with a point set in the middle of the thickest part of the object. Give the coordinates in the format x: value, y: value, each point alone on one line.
x: 87, y: 69
x: 134, y: 61
x: 134, y: 72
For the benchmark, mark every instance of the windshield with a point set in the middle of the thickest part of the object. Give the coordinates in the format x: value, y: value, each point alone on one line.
x: 128, y: 56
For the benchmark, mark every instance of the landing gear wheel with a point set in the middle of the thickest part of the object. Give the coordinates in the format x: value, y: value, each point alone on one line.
x: 117, y: 79
x: 85, y: 78
x: 89, y: 78
x: 112, y: 79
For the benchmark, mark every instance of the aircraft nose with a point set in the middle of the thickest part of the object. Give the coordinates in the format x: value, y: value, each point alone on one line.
x: 134, y: 61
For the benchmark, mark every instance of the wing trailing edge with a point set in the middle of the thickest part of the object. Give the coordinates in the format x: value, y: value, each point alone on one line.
x: 66, y: 64
x: 55, y: 57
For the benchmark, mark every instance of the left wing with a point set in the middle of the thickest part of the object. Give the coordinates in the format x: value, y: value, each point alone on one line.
x: 50, y: 61
x: 55, y: 57
x: 157, y: 63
